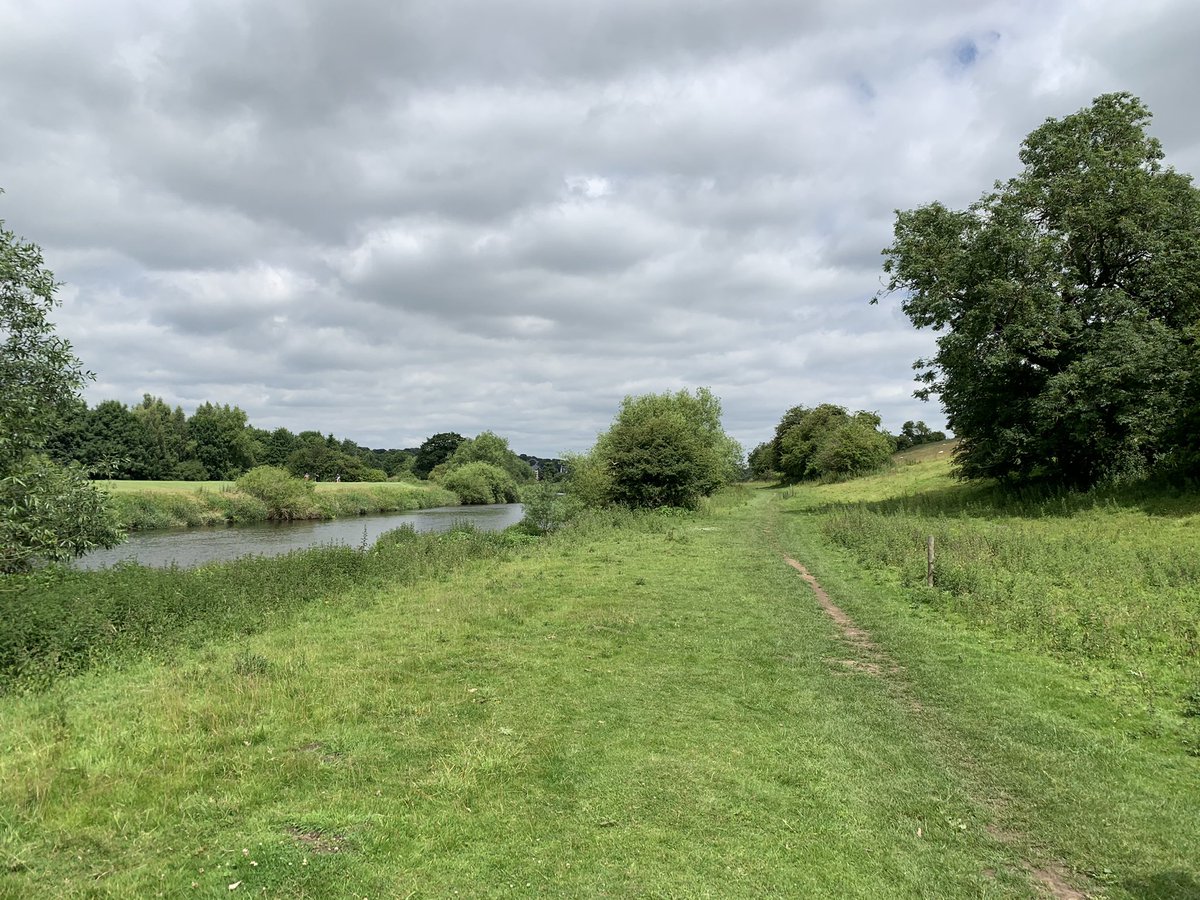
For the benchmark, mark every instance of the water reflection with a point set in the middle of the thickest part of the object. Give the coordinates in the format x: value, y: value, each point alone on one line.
x: 195, y: 546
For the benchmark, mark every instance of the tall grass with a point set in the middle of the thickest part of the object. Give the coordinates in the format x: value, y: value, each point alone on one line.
x: 1110, y: 575
x: 63, y: 622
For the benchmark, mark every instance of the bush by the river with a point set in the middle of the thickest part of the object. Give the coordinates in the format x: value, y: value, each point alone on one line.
x: 481, y: 482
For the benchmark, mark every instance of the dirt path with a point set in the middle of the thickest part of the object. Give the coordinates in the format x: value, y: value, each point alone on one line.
x: 1051, y: 878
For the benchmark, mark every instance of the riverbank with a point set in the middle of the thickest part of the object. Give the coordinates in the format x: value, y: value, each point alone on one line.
x: 152, y: 505
x: 650, y: 704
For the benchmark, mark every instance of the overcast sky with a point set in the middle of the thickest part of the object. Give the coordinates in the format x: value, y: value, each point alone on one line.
x: 390, y: 219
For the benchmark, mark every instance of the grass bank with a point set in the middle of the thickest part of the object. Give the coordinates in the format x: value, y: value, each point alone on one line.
x: 1109, y: 580
x: 64, y: 622
x: 1084, y: 756
x: 643, y: 705
x: 173, y: 504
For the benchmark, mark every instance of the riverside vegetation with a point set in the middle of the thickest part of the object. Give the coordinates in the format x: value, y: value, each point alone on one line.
x: 263, y: 494
x: 639, y: 703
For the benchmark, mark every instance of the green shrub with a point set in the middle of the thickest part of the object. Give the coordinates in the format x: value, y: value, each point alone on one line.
x: 480, y: 482
x: 547, y: 508
x: 51, y: 513
x: 286, y: 497
x: 240, y: 508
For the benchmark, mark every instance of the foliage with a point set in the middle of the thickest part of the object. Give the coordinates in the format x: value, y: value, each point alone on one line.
x: 490, y: 448
x: 1064, y: 300
x: 762, y: 462
x: 913, y: 434
x: 49, y: 512
x: 662, y: 450
x: 40, y: 374
x: 435, y: 451
x: 829, y: 442
x: 481, y: 482
x: 547, y: 508
x: 221, y: 441
x: 150, y: 505
x: 286, y: 497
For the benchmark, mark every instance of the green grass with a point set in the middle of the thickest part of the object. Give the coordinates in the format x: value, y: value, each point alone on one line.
x: 643, y: 705
x: 184, y: 487
x: 143, y: 505
x: 1106, y: 579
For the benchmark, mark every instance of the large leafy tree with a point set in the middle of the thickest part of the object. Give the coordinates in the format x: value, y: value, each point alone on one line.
x: 493, y: 449
x: 435, y: 451
x: 1066, y: 301
x: 47, y: 511
x: 221, y: 440
x: 829, y: 442
x: 662, y: 450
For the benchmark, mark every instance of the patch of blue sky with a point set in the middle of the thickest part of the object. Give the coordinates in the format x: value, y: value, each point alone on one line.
x: 863, y: 90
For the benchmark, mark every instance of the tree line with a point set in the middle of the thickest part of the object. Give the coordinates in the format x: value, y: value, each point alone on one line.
x: 153, y: 441
x: 829, y: 442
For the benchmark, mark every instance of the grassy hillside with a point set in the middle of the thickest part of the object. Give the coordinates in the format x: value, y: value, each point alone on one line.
x: 1108, y: 579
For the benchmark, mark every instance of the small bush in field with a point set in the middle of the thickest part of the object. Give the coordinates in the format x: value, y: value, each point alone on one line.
x: 285, y: 496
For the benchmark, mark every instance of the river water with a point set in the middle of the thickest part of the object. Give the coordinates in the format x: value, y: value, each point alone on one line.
x: 195, y: 546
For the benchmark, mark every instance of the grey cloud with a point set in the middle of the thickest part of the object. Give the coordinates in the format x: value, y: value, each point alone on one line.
x: 386, y: 220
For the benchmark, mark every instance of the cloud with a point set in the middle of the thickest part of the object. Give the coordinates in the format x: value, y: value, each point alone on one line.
x: 388, y: 220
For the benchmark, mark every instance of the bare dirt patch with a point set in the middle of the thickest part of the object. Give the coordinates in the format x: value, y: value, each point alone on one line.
x: 873, y: 660
x: 319, y: 842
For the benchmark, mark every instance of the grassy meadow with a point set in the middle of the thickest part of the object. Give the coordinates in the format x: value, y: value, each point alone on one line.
x: 143, y: 505
x: 647, y: 705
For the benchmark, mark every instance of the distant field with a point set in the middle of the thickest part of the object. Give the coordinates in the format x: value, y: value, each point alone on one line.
x: 125, y: 487
x: 926, y: 452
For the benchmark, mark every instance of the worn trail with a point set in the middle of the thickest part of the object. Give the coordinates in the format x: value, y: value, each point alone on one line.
x: 867, y: 656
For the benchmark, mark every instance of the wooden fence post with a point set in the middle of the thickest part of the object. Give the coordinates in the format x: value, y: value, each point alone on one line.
x: 929, y: 562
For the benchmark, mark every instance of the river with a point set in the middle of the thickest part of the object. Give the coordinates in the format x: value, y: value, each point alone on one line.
x: 194, y: 546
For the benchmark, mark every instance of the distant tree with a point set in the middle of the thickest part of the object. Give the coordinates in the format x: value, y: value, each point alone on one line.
x: 790, y: 420
x: 829, y: 442
x: 1066, y: 302
x: 221, y: 441
x: 662, y: 450
x: 164, y: 436
x: 913, y: 434
x: 762, y: 462
x: 277, y: 446
x: 117, y: 446
x: 490, y: 448
x: 434, y: 451
x: 481, y: 482
x: 50, y: 511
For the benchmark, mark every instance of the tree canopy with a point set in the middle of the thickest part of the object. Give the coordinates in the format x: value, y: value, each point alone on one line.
x: 47, y: 511
x: 662, y: 450
x: 1067, y: 303
x: 825, y: 442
